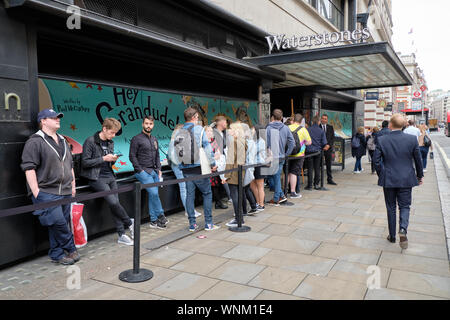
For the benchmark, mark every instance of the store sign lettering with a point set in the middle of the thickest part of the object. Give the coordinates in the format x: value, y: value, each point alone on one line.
x: 280, y: 42
x: 9, y: 96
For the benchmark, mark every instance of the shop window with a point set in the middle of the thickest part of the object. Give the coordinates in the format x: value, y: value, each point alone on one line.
x: 332, y: 10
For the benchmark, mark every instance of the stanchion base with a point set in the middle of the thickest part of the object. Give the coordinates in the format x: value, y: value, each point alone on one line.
x: 287, y: 203
x: 130, y: 276
x: 240, y: 229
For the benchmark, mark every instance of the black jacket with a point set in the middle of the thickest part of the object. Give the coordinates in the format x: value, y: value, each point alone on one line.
x: 394, y: 158
x: 92, y: 157
x: 329, y: 134
x: 361, y: 151
x: 53, y: 169
x: 144, y: 153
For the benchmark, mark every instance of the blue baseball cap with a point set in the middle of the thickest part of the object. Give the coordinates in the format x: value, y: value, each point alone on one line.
x: 48, y: 113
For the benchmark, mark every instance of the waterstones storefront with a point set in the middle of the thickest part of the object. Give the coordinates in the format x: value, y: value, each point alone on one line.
x: 134, y: 58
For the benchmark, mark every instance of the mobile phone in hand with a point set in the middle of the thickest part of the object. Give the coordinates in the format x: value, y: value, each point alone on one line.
x: 119, y: 155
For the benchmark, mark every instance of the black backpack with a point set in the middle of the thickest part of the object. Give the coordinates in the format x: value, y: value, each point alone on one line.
x: 298, y: 145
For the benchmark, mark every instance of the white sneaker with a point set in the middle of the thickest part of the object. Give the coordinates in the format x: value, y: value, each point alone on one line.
x: 210, y: 227
x: 197, y: 214
x: 232, y: 223
x: 362, y: 169
x: 424, y: 170
x: 124, y: 239
x: 131, y: 228
x: 356, y: 171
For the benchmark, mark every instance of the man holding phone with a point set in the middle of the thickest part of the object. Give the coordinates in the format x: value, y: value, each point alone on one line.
x: 97, y: 160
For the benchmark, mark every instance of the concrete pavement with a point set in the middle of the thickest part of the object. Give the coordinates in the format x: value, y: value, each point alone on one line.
x: 324, y: 246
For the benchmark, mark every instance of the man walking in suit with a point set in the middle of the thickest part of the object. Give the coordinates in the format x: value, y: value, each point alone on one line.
x: 394, y: 156
x: 328, y: 150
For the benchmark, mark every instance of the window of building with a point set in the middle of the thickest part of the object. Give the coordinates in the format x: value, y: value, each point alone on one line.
x: 332, y: 10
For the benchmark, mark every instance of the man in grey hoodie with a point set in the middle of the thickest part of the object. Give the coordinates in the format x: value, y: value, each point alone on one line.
x: 47, y: 162
x: 280, y: 142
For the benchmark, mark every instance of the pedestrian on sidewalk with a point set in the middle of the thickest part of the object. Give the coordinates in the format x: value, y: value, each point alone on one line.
x: 412, y: 129
x: 144, y: 155
x: 280, y: 142
x: 295, y: 166
x: 97, y: 160
x: 47, y: 163
x: 318, y: 143
x: 371, y: 146
x: 236, y: 155
x: 257, y: 185
x: 358, y: 148
x: 424, y: 144
x: 190, y: 139
x: 177, y: 171
x: 394, y: 157
x: 328, y: 150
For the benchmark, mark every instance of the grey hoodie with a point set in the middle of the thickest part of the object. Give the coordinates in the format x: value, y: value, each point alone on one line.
x: 54, y: 174
x: 279, y: 132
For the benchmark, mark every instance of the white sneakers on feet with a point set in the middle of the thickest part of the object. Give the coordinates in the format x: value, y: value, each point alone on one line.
x: 131, y: 228
x: 197, y: 214
x: 124, y: 239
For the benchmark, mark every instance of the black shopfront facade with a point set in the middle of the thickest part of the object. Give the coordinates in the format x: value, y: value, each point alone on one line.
x: 188, y: 47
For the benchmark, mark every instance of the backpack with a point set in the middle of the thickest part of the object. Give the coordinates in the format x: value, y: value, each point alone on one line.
x: 356, y: 143
x: 298, y: 145
x: 426, y: 141
x: 186, y: 150
x: 371, y: 143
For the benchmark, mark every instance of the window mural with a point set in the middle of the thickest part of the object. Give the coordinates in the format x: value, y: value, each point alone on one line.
x: 85, y: 105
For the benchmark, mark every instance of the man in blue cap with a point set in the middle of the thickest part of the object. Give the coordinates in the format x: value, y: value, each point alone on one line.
x: 47, y: 163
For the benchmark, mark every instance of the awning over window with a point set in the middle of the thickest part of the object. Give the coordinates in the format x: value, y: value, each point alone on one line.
x: 356, y: 66
x: 414, y: 111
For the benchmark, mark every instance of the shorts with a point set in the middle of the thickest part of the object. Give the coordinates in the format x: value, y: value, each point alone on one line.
x: 258, y: 174
x: 295, y: 166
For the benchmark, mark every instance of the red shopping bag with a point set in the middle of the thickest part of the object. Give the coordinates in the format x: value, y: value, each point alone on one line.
x: 78, y: 226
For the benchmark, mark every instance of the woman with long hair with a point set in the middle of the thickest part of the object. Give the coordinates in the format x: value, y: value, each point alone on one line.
x: 424, y: 144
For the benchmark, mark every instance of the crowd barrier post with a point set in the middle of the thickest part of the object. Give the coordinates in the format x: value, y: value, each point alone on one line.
x: 286, y: 176
x: 240, y: 227
x: 136, y: 274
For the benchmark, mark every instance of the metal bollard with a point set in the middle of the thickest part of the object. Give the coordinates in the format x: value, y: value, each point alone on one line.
x: 240, y: 227
x: 321, y: 172
x: 136, y: 274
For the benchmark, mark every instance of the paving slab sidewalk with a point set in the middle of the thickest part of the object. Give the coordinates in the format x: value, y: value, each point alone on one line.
x: 327, y: 245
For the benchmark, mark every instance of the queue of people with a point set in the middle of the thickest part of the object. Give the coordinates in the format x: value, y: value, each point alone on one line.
x: 222, y: 146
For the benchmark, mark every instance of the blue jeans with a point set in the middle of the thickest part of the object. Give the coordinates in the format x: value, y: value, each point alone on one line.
x: 424, y: 153
x: 154, y: 204
x: 402, y: 196
x: 277, y: 182
x: 57, y: 220
x: 179, y: 175
x: 358, y: 164
x: 204, y: 185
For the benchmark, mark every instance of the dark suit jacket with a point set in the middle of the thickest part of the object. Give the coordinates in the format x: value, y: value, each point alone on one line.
x: 329, y: 134
x: 394, y: 158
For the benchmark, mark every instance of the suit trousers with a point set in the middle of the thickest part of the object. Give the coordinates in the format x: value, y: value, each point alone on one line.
x: 328, y: 155
x: 402, y: 196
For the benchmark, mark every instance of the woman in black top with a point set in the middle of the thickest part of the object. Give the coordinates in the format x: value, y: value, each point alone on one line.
x: 358, y: 149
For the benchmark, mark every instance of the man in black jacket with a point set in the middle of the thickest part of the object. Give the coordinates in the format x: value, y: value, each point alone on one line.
x: 97, y: 160
x: 144, y: 155
x: 47, y: 162
x: 328, y: 150
x: 394, y: 156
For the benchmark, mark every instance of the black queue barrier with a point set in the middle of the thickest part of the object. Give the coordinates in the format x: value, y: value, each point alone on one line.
x: 137, y: 274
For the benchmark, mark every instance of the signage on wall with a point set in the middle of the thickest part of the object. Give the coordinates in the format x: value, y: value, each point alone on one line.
x: 86, y: 105
x: 417, y: 94
x: 423, y: 88
x: 281, y: 42
x: 416, y: 104
x: 372, y: 95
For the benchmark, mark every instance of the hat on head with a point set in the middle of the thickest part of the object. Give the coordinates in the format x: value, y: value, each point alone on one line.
x: 48, y: 113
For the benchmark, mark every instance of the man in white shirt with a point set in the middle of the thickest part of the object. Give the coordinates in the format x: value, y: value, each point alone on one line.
x: 412, y: 130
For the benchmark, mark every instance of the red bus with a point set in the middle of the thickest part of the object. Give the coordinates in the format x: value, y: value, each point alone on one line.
x: 447, y: 125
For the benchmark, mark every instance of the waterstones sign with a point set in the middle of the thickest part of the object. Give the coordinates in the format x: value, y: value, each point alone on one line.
x: 280, y: 42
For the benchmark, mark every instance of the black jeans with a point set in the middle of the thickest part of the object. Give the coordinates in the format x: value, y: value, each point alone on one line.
x: 372, y: 163
x: 234, y: 191
x: 313, y: 164
x: 250, y: 196
x: 120, y: 216
x: 327, y: 155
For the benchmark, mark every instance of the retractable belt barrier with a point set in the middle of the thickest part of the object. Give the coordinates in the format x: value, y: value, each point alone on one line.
x: 137, y: 274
